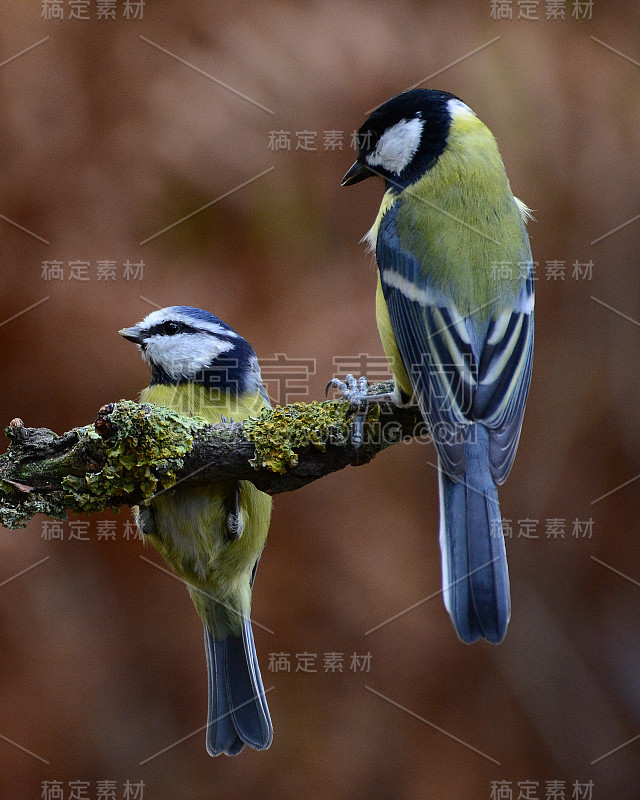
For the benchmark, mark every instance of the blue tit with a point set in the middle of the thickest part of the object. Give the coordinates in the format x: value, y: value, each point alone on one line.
x: 212, y: 536
x: 454, y: 308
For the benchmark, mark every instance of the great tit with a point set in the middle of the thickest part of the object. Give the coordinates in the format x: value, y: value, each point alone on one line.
x: 212, y: 536
x: 454, y: 308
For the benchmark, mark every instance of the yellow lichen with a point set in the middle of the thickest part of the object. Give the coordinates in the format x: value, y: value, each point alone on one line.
x: 279, y: 433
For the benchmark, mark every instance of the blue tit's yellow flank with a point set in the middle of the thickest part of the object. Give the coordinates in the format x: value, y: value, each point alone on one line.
x: 212, y: 536
x: 455, y: 314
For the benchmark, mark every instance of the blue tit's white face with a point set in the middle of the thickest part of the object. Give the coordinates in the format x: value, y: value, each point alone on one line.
x: 180, y: 342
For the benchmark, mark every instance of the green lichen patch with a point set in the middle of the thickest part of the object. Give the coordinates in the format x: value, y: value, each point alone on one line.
x: 279, y: 433
x: 145, y: 453
x: 14, y: 514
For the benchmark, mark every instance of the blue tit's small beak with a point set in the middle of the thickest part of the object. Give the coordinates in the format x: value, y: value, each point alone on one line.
x: 358, y: 172
x: 132, y: 334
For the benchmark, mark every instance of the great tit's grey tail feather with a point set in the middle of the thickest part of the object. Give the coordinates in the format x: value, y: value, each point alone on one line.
x: 238, y: 712
x: 474, y: 560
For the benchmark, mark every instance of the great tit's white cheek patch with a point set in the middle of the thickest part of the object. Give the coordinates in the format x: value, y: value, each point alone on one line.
x: 183, y: 355
x: 397, y: 146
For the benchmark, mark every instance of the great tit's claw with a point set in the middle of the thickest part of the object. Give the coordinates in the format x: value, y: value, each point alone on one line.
x: 354, y: 390
x: 335, y: 383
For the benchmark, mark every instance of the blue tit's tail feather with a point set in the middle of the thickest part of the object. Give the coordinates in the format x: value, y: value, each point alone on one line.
x: 474, y: 561
x: 238, y: 712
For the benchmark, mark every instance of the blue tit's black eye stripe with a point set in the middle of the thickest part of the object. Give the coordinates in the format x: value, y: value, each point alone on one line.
x: 170, y: 328
x: 173, y: 327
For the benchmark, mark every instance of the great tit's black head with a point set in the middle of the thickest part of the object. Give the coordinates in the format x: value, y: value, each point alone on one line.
x: 183, y: 344
x: 404, y: 137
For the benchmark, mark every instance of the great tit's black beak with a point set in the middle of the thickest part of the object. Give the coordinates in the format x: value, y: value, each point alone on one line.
x: 358, y: 172
x: 132, y: 334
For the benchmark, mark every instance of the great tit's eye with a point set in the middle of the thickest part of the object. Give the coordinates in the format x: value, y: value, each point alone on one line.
x: 170, y: 328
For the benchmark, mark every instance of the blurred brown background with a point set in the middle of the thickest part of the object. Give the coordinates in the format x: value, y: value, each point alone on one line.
x: 105, y: 140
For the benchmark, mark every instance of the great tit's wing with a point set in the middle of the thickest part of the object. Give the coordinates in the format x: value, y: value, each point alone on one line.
x: 459, y: 374
x: 504, y: 376
x: 434, y: 344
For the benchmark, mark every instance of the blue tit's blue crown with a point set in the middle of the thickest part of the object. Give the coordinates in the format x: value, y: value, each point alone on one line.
x: 405, y: 136
x: 183, y: 344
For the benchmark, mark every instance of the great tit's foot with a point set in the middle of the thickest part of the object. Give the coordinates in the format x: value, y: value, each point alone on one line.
x: 355, y: 390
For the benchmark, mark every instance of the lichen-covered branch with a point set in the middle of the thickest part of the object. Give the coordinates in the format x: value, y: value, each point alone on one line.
x: 133, y: 452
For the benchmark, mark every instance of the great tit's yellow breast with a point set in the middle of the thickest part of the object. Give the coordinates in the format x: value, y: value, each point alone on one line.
x: 461, y: 221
